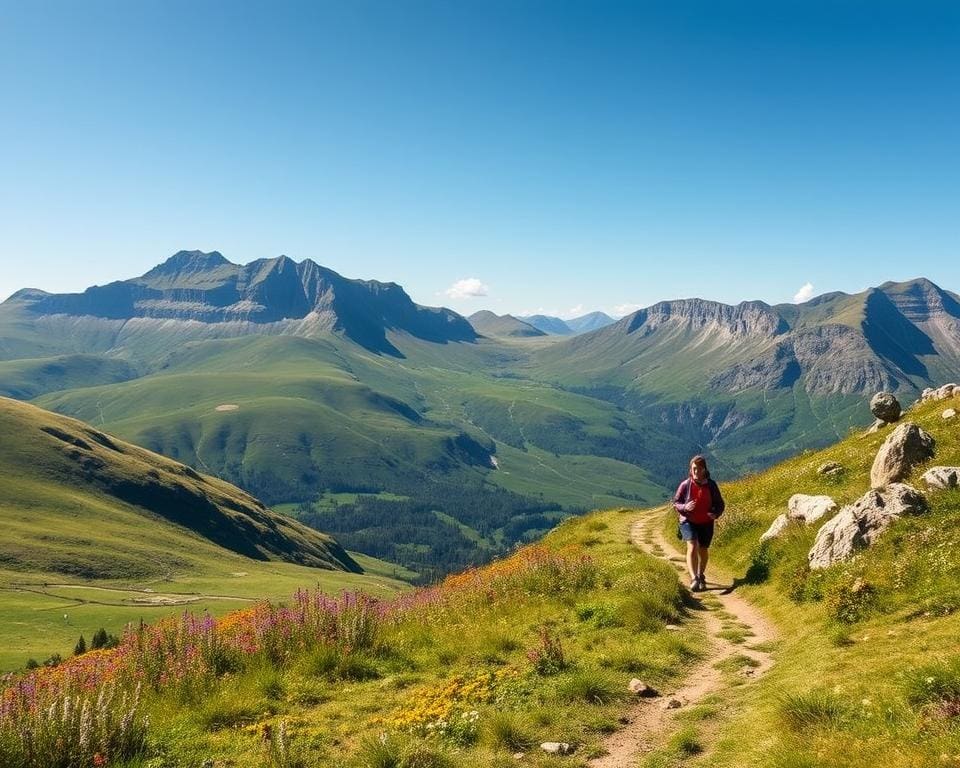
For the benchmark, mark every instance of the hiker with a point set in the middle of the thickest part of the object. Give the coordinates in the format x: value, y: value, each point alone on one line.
x: 699, y: 503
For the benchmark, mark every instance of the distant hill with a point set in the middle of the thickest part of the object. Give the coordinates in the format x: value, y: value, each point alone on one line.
x: 487, y: 323
x: 589, y: 322
x: 558, y: 327
x: 267, y: 296
x: 78, y: 502
x: 548, y: 324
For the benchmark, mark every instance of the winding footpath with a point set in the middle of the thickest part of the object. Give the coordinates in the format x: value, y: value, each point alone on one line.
x: 726, y: 617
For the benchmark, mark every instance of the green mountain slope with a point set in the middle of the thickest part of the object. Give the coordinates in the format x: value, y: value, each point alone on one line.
x: 78, y: 502
x: 296, y: 383
x: 487, y: 323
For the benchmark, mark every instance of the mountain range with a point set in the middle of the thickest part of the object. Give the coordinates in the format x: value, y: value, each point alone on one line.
x: 583, y: 324
x: 422, y: 437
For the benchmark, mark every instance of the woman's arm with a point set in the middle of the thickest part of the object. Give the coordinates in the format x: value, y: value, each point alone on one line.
x: 679, y: 498
x: 718, y: 503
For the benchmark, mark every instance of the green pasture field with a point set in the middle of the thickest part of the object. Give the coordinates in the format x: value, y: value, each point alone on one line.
x: 46, y: 614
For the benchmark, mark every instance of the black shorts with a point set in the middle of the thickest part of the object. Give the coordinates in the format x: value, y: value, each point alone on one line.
x: 702, y: 533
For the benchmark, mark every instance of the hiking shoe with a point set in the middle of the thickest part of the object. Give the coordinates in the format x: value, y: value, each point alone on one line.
x: 695, y: 584
x: 701, y: 583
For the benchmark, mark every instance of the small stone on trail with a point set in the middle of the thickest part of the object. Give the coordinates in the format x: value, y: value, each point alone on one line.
x: 672, y: 627
x: 640, y: 688
x: 672, y: 704
x: 556, y: 748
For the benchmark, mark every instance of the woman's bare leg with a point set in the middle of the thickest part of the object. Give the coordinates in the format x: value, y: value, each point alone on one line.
x: 693, y: 558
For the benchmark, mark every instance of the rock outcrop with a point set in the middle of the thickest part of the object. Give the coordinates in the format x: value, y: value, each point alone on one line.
x: 885, y: 407
x: 860, y: 524
x: 942, y: 477
x: 939, y: 393
x: 907, y: 446
x: 830, y: 468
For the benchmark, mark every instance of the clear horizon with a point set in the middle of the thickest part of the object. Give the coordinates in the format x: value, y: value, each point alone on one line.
x: 524, y: 158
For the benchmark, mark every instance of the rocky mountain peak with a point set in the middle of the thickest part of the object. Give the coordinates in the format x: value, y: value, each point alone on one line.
x: 188, y: 261
x: 748, y: 318
x: 920, y: 300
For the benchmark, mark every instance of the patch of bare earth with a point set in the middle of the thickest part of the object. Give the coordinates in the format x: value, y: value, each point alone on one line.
x: 227, y: 407
x: 650, y: 721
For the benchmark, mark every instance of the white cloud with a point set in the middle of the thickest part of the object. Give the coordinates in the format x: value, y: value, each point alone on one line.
x: 538, y: 311
x: 804, y: 294
x: 573, y: 312
x: 625, y: 309
x: 468, y: 288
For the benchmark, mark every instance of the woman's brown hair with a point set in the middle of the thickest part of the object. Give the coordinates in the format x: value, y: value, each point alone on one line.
x: 700, y: 461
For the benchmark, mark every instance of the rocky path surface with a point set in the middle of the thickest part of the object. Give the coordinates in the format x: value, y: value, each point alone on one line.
x: 737, y: 633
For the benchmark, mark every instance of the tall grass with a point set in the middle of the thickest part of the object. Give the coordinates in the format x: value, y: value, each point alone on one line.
x: 86, y: 711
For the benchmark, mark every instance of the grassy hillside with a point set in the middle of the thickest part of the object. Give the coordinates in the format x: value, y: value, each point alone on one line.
x: 869, y: 663
x: 539, y: 647
x: 488, y: 460
x: 532, y: 648
x: 98, y: 530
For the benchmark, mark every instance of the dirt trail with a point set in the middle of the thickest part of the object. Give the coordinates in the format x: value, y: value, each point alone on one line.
x: 650, y: 722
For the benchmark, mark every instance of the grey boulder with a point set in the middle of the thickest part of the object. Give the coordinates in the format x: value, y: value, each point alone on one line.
x: 942, y: 477
x: 860, y: 524
x: 885, y: 407
x: 809, y: 508
x: 830, y: 468
x: 777, y: 527
x: 906, y: 446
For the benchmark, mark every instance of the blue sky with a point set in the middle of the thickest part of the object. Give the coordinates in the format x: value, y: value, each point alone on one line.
x: 562, y: 156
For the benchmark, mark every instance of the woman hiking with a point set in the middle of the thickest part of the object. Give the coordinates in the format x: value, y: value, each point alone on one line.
x: 699, y: 503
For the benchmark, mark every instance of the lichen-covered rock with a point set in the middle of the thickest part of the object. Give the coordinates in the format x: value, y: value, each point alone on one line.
x: 906, y: 446
x: 942, y: 477
x: 939, y: 393
x: 947, y: 390
x: 556, y: 748
x: 776, y: 528
x: 885, y: 407
x: 830, y: 468
x: 860, y: 524
x: 809, y: 508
